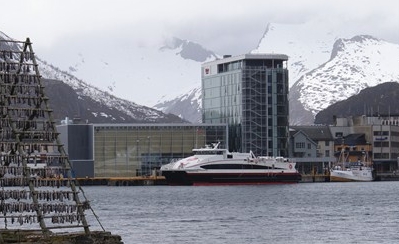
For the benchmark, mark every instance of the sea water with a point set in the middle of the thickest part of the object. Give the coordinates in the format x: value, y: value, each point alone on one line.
x: 366, y: 212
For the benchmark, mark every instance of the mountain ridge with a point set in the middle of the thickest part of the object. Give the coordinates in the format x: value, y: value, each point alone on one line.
x: 92, y: 104
x: 311, y: 67
x: 127, y: 111
x: 371, y: 101
x: 357, y: 63
x: 325, y: 67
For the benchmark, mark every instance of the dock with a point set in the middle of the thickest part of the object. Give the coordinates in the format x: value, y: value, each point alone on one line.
x: 160, y: 180
x: 36, y: 236
x: 122, y: 181
x: 307, y: 178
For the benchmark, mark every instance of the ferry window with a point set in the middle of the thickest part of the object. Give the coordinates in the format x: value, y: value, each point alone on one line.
x: 229, y: 156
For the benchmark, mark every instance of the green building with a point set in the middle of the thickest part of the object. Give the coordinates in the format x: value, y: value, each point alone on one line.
x: 127, y: 150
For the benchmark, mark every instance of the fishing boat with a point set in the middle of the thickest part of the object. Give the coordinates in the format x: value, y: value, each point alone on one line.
x: 215, y: 166
x: 351, y: 171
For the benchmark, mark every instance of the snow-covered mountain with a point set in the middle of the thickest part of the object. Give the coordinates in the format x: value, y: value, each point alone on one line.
x: 187, y: 106
x: 103, y: 104
x: 379, y: 100
x: 195, y: 55
x: 324, y: 67
x: 308, y: 46
x: 355, y: 64
x: 84, y: 90
x: 139, y: 71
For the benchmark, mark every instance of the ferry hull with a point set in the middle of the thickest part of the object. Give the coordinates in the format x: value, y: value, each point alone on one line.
x: 339, y: 179
x: 348, y: 176
x: 180, y: 177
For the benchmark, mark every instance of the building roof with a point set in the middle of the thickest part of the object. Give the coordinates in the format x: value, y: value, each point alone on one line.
x: 316, y: 133
x: 351, y: 140
x: 249, y: 56
x: 294, y: 133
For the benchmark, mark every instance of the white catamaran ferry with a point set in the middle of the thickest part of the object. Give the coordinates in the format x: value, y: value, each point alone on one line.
x: 215, y: 166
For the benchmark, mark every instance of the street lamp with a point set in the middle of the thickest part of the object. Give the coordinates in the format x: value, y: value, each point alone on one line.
x: 137, y: 155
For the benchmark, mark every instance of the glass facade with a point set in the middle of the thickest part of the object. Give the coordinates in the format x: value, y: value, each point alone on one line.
x: 131, y: 150
x: 250, y: 94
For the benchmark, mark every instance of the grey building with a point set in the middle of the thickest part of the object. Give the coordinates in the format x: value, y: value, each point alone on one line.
x: 301, y: 145
x: 78, y: 143
x: 250, y: 93
x: 312, y: 147
x: 320, y: 135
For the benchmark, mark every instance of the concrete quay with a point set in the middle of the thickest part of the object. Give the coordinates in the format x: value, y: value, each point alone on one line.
x: 315, y: 178
x: 307, y: 178
x: 122, y: 181
x: 160, y: 180
x: 36, y: 236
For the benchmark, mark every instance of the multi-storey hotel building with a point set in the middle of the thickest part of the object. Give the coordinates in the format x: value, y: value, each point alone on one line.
x: 250, y: 93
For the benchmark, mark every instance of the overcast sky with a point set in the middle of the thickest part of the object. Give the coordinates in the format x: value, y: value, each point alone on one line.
x: 103, y: 38
x: 212, y: 23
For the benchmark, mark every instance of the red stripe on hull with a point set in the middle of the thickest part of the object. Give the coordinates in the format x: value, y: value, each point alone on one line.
x: 240, y: 183
x: 243, y: 174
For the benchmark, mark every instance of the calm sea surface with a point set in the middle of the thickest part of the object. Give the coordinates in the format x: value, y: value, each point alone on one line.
x: 299, y: 213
